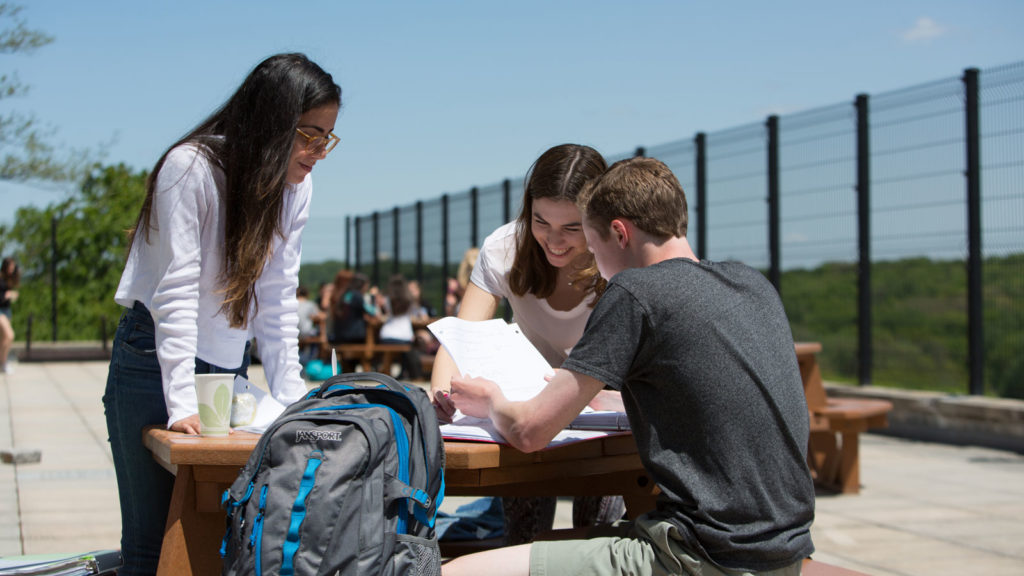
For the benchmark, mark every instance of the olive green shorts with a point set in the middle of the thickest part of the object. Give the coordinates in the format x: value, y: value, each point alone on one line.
x: 647, y: 547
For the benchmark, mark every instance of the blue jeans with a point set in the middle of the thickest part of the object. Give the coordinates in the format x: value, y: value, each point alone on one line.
x: 134, y: 399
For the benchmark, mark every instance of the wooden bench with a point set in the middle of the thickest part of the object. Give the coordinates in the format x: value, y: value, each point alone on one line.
x: 370, y: 354
x: 836, y: 424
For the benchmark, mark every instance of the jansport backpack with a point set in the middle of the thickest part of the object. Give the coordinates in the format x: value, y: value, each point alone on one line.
x: 347, y: 480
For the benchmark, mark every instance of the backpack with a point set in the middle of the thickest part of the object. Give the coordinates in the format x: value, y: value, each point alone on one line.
x: 347, y: 480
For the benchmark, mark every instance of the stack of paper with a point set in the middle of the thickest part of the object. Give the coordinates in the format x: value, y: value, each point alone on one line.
x: 500, y: 352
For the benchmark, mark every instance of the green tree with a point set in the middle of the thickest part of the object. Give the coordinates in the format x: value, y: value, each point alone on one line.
x: 91, y: 245
x: 25, y: 151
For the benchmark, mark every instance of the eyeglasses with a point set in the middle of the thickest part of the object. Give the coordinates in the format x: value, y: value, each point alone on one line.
x: 319, y: 144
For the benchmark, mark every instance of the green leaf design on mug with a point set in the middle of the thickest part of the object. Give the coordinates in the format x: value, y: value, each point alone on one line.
x: 222, y: 403
x: 220, y: 412
x: 207, y: 414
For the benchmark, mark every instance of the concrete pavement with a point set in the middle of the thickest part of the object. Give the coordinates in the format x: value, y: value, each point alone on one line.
x: 924, y: 509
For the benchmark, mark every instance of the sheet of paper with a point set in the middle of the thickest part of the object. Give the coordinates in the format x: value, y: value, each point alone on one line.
x: 267, y: 408
x: 494, y: 350
x: 482, y: 430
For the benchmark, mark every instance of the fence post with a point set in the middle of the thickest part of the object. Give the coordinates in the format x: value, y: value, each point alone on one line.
x: 444, y: 250
x: 28, y: 337
x: 506, y: 195
x: 474, y: 217
x: 348, y: 238
x: 700, y: 142
x: 359, y: 243
x: 419, y: 242
x: 375, y: 243
x: 774, y: 274
x: 396, y: 239
x: 53, y: 275
x: 865, y: 355
x: 975, y: 327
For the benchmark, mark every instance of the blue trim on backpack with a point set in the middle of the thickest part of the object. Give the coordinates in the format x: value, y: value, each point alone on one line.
x: 256, y: 539
x: 291, y: 541
x: 402, y: 526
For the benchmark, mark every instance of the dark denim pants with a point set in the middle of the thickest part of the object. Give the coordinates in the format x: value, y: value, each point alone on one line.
x: 134, y: 399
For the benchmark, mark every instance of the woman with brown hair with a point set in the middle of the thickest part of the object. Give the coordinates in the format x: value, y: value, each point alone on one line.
x: 213, y: 263
x: 539, y: 263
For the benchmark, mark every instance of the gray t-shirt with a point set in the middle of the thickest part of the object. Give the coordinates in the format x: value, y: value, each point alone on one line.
x: 703, y: 355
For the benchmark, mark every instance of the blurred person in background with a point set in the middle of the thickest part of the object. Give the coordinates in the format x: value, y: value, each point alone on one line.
x: 10, y: 278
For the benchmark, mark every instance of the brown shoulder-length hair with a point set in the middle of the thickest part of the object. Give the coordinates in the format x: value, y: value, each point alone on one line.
x: 250, y: 137
x: 559, y: 174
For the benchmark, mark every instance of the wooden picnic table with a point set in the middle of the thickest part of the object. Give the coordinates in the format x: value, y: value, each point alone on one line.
x: 836, y: 424
x: 205, y: 466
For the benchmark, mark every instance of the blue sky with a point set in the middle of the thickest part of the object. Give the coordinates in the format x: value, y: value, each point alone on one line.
x: 440, y: 96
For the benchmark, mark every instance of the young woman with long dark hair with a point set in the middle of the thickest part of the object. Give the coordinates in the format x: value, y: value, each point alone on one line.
x: 213, y: 263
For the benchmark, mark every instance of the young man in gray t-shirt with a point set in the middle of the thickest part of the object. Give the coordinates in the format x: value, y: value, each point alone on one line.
x: 703, y: 356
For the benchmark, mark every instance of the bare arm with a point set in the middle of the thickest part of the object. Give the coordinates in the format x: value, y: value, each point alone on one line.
x: 528, y: 425
x: 477, y: 305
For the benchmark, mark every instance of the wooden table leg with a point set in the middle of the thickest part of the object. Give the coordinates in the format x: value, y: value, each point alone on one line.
x: 192, y: 539
x: 835, y: 460
x: 640, y: 498
x: 849, y: 464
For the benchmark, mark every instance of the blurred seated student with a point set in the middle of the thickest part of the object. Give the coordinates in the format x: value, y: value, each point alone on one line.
x: 330, y: 298
x: 703, y: 355
x: 398, y: 329
x: 323, y: 298
x: 457, y: 286
x: 353, y: 311
x: 452, y: 297
x: 421, y: 314
x: 309, y: 324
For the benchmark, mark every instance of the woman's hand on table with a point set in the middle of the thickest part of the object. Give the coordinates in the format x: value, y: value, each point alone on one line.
x: 187, y: 425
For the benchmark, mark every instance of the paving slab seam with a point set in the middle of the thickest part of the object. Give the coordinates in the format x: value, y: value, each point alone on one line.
x: 17, y: 487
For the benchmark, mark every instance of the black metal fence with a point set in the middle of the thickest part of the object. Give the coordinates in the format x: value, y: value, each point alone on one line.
x: 841, y: 207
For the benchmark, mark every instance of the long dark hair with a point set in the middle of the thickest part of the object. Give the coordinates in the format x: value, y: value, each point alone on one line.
x: 250, y: 137
x: 12, y: 278
x: 559, y: 174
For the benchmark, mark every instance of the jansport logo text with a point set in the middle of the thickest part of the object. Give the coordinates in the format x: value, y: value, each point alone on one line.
x: 316, y: 435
